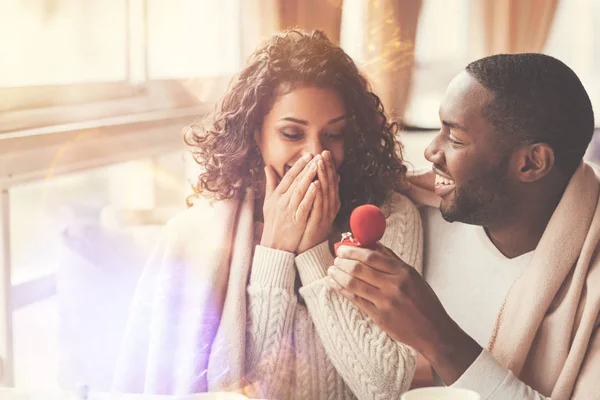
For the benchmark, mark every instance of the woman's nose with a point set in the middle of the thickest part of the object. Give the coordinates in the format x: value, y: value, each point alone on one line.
x: 314, y: 147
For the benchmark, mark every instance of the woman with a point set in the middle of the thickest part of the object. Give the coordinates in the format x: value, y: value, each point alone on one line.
x: 236, y: 296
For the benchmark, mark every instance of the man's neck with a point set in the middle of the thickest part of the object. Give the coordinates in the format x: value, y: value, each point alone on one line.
x: 522, y: 232
x: 517, y: 239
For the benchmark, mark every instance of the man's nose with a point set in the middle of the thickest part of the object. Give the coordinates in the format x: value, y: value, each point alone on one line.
x: 434, y: 153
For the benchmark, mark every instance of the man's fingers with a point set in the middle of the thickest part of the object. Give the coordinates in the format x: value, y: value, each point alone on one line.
x: 362, y: 304
x: 354, y: 285
x: 361, y: 271
x: 291, y: 175
x: 378, y: 260
x: 385, y: 250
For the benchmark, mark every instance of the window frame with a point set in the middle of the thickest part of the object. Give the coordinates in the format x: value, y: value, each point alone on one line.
x: 47, y: 131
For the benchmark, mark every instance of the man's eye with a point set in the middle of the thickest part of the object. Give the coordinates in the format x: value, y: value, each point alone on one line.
x: 453, y: 141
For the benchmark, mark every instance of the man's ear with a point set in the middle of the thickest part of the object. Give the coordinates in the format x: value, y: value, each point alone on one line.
x: 534, y: 161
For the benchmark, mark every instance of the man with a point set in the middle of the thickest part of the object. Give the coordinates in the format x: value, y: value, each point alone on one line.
x: 510, y: 298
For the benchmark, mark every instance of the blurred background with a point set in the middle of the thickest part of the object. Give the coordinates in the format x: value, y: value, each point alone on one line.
x: 93, y: 98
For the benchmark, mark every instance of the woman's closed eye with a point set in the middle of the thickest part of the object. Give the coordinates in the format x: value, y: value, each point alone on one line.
x: 291, y: 135
x: 295, y: 136
x: 334, y: 136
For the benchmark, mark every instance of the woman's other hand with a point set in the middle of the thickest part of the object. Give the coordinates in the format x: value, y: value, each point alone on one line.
x: 287, y: 206
x: 325, y: 206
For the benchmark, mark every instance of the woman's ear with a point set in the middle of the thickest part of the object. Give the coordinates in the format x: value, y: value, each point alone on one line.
x: 534, y: 162
x: 256, y: 136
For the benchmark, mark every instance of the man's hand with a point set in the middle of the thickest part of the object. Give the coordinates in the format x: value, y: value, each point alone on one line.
x: 399, y: 300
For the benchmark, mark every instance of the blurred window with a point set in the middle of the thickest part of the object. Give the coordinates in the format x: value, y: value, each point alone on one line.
x: 93, y: 96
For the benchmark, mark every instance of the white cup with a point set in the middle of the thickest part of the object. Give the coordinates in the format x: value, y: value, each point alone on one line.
x: 440, y: 393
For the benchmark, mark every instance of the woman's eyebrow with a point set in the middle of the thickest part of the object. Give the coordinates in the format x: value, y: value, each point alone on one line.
x: 297, y: 121
x: 304, y: 122
x: 341, y: 117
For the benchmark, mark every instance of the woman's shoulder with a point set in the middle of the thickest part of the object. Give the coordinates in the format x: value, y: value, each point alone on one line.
x: 397, y: 204
x: 401, y: 214
x: 202, y: 218
x: 404, y: 230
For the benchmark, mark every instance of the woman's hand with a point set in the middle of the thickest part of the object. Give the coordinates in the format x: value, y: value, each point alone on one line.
x: 326, y: 205
x: 287, y: 205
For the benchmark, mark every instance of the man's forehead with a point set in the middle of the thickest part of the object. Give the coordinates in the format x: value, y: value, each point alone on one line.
x: 465, y: 98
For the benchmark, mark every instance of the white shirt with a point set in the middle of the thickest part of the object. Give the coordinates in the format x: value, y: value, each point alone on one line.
x: 467, y: 272
x: 472, y: 278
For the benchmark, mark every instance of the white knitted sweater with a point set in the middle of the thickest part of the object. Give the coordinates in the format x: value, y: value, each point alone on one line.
x: 326, y: 349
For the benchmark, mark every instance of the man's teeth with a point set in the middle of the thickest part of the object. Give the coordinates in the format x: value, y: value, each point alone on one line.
x: 442, y: 180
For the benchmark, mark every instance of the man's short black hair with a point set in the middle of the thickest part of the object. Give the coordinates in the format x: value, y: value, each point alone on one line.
x: 538, y: 99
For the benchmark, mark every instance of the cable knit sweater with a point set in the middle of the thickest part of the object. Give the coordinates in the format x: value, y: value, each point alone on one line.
x: 326, y: 349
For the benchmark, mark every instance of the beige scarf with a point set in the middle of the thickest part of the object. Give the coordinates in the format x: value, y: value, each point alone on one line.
x: 547, y: 330
x: 186, y: 331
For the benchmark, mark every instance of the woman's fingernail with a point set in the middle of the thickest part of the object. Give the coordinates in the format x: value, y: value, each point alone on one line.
x: 307, y: 156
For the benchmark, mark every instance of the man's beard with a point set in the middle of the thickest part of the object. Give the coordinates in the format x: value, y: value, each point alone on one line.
x: 481, y: 200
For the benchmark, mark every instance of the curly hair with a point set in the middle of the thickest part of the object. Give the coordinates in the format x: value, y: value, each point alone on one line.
x: 225, y: 147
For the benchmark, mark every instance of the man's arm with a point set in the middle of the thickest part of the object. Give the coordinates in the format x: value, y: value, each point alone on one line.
x: 493, y: 382
x: 400, y: 301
